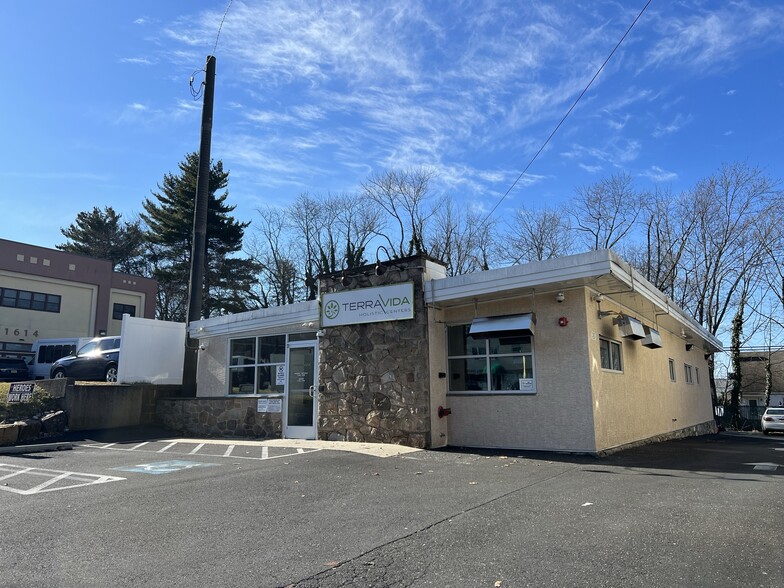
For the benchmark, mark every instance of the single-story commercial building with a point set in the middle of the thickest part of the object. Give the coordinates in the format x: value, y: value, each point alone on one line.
x: 575, y: 354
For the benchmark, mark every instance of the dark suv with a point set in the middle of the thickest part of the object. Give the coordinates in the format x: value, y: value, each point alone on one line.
x: 96, y: 360
x: 13, y: 370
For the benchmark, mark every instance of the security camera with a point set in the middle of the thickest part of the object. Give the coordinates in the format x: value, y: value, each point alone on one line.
x: 560, y: 297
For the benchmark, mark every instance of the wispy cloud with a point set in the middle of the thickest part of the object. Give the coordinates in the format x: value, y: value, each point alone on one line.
x: 137, y: 60
x: 673, y: 126
x: 657, y: 174
x: 711, y: 39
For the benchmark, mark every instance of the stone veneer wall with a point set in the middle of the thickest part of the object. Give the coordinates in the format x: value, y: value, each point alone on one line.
x: 218, y: 417
x: 374, y: 378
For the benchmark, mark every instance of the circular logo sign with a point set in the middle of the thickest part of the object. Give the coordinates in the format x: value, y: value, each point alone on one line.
x: 331, y: 310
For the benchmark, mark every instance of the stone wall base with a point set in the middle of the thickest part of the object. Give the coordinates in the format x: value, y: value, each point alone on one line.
x: 218, y: 417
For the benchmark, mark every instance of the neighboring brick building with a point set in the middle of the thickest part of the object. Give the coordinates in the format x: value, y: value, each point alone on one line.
x: 46, y: 293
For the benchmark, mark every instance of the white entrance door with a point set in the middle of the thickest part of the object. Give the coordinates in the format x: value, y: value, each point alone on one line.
x: 301, y: 395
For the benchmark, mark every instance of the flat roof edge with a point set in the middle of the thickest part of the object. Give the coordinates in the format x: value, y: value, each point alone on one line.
x: 560, y: 269
x: 287, y: 315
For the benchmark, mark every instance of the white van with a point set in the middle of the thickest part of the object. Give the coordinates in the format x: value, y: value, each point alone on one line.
x: 47, y: 351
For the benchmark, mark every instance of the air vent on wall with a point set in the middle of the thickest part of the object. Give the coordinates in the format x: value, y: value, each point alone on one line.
x: 630, y: 327
x: 652, y: 339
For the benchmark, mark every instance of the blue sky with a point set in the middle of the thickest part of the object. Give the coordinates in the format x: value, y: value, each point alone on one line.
x: 314, y: 96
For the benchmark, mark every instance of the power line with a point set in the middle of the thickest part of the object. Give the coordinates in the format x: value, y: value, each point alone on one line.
x: 221, y: 27
x: 197, y: 92
x: 568, y: 112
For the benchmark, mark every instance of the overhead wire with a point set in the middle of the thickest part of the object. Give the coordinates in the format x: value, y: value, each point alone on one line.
x: 197, y: 92
x: 568, y: 112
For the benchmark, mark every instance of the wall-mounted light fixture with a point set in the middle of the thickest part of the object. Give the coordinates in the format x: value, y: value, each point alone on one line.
x: 380, y: 269
x: 559, y: 298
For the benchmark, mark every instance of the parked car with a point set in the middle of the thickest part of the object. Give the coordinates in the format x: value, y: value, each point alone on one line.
x: 97, y: 361
x: 13, y: 370
x: 773, y: 420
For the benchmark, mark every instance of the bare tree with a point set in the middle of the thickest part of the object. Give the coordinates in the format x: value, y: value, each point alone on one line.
x: 668, y: 225
x: 461, y: 239
x: 726, y: 252
x: 404, y: 196
x: 269, y: 245
x: 605, y: 213
x: 537, y: 235
x: 331, y: 233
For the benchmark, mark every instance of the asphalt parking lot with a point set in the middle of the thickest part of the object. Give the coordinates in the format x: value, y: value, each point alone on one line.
x: 141, y: 508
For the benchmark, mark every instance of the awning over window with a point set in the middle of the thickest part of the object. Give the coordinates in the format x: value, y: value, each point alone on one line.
x: 500, y: 326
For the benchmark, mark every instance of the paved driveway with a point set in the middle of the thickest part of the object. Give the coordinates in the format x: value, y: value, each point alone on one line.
x: 173, y: 512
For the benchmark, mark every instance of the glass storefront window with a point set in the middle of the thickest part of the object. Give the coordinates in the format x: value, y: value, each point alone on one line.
x: 256, y: 363
x: 496, y: 364
x: 272, y: 349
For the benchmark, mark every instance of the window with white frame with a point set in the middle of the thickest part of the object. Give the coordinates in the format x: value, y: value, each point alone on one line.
x: 687, y: 370
x: 610, y: 355
x: 257, y: 364
x: 502, y: 363
x: 672, y: 370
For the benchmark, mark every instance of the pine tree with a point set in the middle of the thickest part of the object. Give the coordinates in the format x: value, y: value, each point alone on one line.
x: 228, y: 278
x: 102, y: 234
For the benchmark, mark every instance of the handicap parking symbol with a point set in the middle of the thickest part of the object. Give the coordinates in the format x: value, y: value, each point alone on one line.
x: 165, y: 467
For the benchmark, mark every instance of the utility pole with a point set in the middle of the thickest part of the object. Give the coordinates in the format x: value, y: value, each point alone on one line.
x: 199, y: 241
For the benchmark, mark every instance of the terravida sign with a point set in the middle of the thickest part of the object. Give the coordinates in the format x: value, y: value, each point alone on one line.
x: 368, y: 305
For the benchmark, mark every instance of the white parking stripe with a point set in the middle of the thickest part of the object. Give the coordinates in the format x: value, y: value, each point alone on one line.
x: 49, y: 482
x: 142, y: 444
x: 196, y: 449
x: 11, y: 475
x: 76, y: 479
x: 300, y: 450
x: 169, y: 446
x: 229, y: 449
x: 265, y: 452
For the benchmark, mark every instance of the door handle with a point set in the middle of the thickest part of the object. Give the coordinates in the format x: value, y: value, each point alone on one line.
x: 311, y: 391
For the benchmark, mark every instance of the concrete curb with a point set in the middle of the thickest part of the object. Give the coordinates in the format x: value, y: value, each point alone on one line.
x: 11, y: 449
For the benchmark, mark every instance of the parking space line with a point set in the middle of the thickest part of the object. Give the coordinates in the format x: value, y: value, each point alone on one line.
x: 12, y: 474
x: 196, y: 447
x: 53, y: 478
x: 169, y: 446
x: 49, y: 482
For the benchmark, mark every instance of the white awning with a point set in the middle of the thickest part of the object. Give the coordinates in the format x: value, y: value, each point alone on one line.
x: 499, y: 326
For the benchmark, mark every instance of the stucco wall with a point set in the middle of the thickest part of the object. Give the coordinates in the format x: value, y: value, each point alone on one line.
x: 558, y: 416
x: 211, y: 369
x: 642, y: 402
x: 76, y: 316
